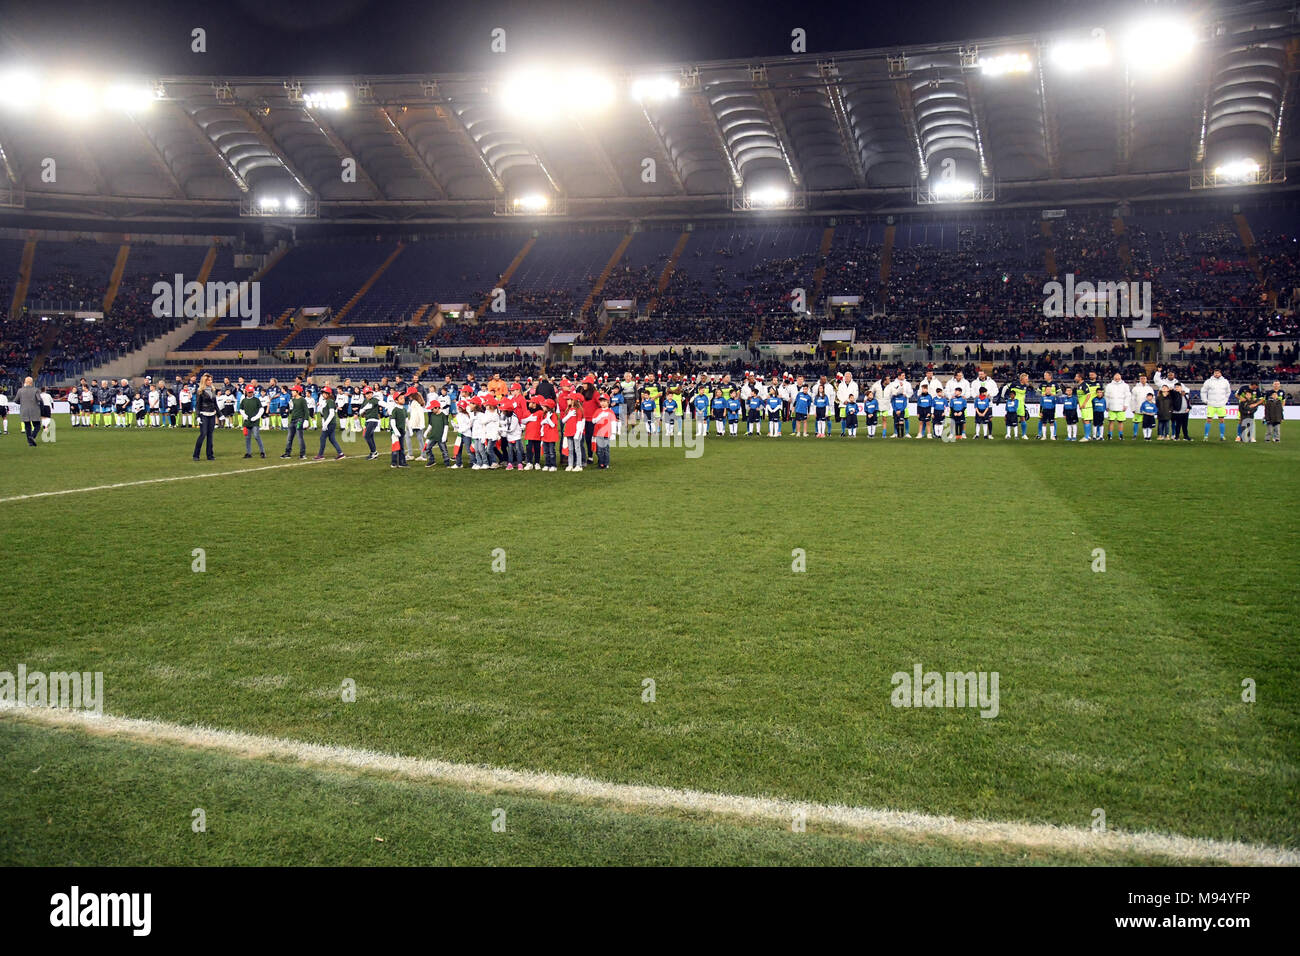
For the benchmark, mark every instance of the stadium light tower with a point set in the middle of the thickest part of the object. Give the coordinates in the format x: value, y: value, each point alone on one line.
x: 539, y: 94
x: 19, y: 90
x: 653, y: 89
x: 326, y: 100
x: 1004, y: 64
x: 73, y: 98
x: 129, y: 97
x: 1078, y: 56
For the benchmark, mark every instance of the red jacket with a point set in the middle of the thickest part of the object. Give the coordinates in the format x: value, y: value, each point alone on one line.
x: 532, y: 425
x: 550, y: 433
x: 604, y: 423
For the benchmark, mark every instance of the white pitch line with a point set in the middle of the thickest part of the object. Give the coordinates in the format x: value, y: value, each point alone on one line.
x: 496, y: 779
x: 154, y: 481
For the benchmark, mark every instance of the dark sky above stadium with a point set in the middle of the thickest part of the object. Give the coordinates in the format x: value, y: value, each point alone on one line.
x: 312, y: 37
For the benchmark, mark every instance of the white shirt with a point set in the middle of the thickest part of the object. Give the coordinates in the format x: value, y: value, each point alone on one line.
x: 1216, y: 391
x: 1118, y: 395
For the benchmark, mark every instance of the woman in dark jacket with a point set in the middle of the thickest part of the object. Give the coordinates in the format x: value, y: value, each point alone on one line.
x: 1164, y: 417
x: 1180, y: 409
x: 205, y: 404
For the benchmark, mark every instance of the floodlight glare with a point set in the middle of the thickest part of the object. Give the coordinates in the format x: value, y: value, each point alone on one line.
x: 291, y: 204
x: 769, y: 196
x: 1238, y: 171
x: 538, y: 94
x: 1152, y: 46
x: 73, y: 98
x: 326, y: 100
x: 18, y: 90
x: 533, y: 202
x: 1075, y: 56
x: 952, y: 189
x: 1005, y: 63
x: 128, y: 97
x: 269, y: 202
x: 654, y: 89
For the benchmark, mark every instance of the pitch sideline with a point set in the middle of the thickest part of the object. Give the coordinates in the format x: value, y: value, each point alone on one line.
x: 154, y: 481
x: 470, y: 776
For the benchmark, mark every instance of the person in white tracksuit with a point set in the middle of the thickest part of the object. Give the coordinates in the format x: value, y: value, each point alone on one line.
x: 414, y: 426
x: 960, y: 381
x: 1140, y: 393
x: 1215, y: 392
x: 846, y: 391
x: 982, y: 381
x: 1118, y: 395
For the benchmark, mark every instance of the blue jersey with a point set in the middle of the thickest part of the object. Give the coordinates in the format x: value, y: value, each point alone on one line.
x: 958, y: 405
x: 899, y: 403
x: 755, y: 404
x: 719, y: 405
x: 616, y: 400
x: 1148, y: 407
x: 1069, y: 403
x: 670, y: 406
x: 802, y: 402
x: 1013, y: 405
x: 821, y: 401
x: 733, y: 408
x: 924, y: 403
x: 851, y: 409
x: 982, y: 405
x: 1047, y: 403
x: 648, y: 406
x: 939, y: 404
x: 773, y: 406
x: 1099, y: 404
x: 701, y: 403
x: 871, y: 407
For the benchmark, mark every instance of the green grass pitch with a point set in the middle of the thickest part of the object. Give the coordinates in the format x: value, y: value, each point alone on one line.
x: 1120, y: 690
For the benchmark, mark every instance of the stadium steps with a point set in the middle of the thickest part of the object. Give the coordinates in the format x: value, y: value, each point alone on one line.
x: 1101, y: 335
x: 604, y: 276
x: 368, y: 284
x: 669, y: 268
x: 214, y: 343
x: 24, y: 278
x: 1252, y: 254
x: 819, y: 276
x: 509, y: 273
x: 418, y: 317
x: 284, y: 317
x: 270, y: 263
x: 209, y: 260
x: 1125, y: 251
x: 886, y: 262
x: 47, y: 343
x: 1049, y: 253
x: 115, y: 277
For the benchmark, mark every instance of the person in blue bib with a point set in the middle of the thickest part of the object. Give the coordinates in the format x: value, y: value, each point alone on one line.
x: 924, y: 408
x: 670, y: 409
x: 1047, y: 416
x: 983, y: 415
x: 1148, y: 411
x: 851, y: 418
x: 871, y: 413
x: 802, y: 405
x: 958, y: 409
x: 1011, y: 410
x: 755, y: 409
x: 648, y: 413
x: 701, y: 405
x: 773, y: 416
x: 898, y: 403
x: 1069, y: 406
x: 821, y: 403
x: 719, y: 408
x: 733, y: 415
x: 938, y: 411
x: 1099, y: 414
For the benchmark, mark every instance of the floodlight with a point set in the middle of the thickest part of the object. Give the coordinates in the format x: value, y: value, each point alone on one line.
x: 952, y: 189
x: 769, y: 196
x: 128, y: 97
x: 326, y: 100
x: 533, y: 202
x: 73, y: 98
x: 1075, y: 56
x: 1238, y: 171
x: 19, y: 90
x: 1151, y: 46
x: 655, y: 88
x: 291, y: 204
x: 269, y: 202
x: 1005, y: 63
x: 538, y: 94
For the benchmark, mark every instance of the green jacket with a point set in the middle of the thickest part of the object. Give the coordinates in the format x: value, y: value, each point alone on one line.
x: 298, y: 410
x: 371, y: 411
x: 398, y: 416
x: 437, y: 425
x: 250, y: 406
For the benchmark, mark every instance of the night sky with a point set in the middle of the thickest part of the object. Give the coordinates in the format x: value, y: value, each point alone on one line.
x: 317, y: 37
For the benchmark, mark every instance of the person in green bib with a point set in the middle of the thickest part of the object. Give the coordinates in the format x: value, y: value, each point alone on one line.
x: 251, y: 408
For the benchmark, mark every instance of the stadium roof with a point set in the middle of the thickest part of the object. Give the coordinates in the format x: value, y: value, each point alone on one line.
x: 1038, y: 120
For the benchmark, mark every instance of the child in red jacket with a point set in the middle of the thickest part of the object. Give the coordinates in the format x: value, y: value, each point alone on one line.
x: 574, y: 423
x: 550, y: 433
x: 603, y: 425
x: 532, y: 419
